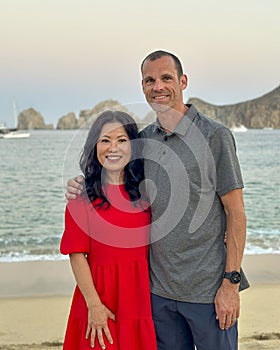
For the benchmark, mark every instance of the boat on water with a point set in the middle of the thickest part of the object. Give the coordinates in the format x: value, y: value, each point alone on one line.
x: 13, y: 133
x: 239, y: 128
x: 5, y: 130
x: 16, y: 134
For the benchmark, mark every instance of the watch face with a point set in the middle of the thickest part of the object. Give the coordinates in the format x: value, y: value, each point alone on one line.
x: 235, y: 277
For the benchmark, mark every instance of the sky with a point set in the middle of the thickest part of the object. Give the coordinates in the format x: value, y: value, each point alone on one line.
x: 61, y: 56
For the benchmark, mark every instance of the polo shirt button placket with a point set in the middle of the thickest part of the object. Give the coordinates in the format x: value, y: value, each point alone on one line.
x: 165, y: 139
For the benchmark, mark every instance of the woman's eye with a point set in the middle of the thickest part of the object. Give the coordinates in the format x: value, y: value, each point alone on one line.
x: 123, y: 140
x: 104, y: 141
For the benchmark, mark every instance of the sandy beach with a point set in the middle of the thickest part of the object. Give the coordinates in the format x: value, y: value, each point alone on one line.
x: 35, y: 299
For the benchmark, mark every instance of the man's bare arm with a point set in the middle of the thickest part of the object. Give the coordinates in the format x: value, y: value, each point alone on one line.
x: 227, y: 302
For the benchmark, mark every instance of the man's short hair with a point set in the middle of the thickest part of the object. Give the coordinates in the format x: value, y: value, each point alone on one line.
x: 160, y: 53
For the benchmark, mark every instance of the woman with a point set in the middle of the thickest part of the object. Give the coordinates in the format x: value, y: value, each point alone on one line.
x: 106, y: 235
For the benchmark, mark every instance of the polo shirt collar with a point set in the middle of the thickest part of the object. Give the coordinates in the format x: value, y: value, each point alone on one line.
x: 184, y: 124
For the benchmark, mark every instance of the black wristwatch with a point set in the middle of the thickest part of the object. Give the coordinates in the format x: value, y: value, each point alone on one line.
x: 233, y: 276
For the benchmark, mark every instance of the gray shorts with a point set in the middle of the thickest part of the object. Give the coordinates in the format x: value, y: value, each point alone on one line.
x: 188, y: 326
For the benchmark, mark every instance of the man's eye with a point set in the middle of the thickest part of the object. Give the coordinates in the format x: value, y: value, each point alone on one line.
x: 167, y: 78
x: 149, y: 81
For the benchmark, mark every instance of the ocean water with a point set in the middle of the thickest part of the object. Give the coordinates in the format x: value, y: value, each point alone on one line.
x: 34, y: 172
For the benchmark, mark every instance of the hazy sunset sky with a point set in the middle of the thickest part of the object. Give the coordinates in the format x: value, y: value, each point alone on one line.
x: 61, y: 56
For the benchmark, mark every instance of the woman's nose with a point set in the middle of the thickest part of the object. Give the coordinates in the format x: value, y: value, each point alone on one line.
x: 113, y: 146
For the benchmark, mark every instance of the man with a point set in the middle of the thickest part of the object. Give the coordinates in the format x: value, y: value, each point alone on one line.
x: 196, y: 197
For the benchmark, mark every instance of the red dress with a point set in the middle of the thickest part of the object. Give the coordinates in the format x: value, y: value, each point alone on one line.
x: 116, y: 243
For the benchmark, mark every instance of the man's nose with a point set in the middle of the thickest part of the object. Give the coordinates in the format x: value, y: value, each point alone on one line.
x: 158, y: 84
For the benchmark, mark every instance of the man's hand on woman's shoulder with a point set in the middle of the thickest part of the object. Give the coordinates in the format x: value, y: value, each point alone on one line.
x: 74, y: 187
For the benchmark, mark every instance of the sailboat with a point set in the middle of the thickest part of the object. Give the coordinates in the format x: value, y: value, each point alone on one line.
x: 13, y: 133
x: 16, y: 135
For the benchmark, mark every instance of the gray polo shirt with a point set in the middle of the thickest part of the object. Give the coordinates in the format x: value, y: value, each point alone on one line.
x: 187, y: 171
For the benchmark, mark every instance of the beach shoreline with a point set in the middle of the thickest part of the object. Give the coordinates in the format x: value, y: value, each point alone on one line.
x: 35, y: 299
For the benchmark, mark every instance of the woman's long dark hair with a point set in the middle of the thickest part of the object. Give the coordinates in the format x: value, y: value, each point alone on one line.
x: 93, y: 170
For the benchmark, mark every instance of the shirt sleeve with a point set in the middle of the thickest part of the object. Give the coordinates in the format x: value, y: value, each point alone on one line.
x: 75, y: 238
x: 228, y: 172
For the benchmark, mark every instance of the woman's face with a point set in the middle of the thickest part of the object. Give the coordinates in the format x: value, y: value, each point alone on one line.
x: 113, y: 149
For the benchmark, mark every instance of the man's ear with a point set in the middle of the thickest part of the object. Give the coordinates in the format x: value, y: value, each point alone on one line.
x: 183, y: 81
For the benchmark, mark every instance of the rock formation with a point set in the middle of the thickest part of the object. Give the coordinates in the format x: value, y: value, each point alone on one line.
x: 31, y: 119
x: 68, y: 121
x: 257, y: 113
x: 86, y: 117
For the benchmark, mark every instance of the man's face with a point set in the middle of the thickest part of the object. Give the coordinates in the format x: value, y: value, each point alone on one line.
x: 161, y: 85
